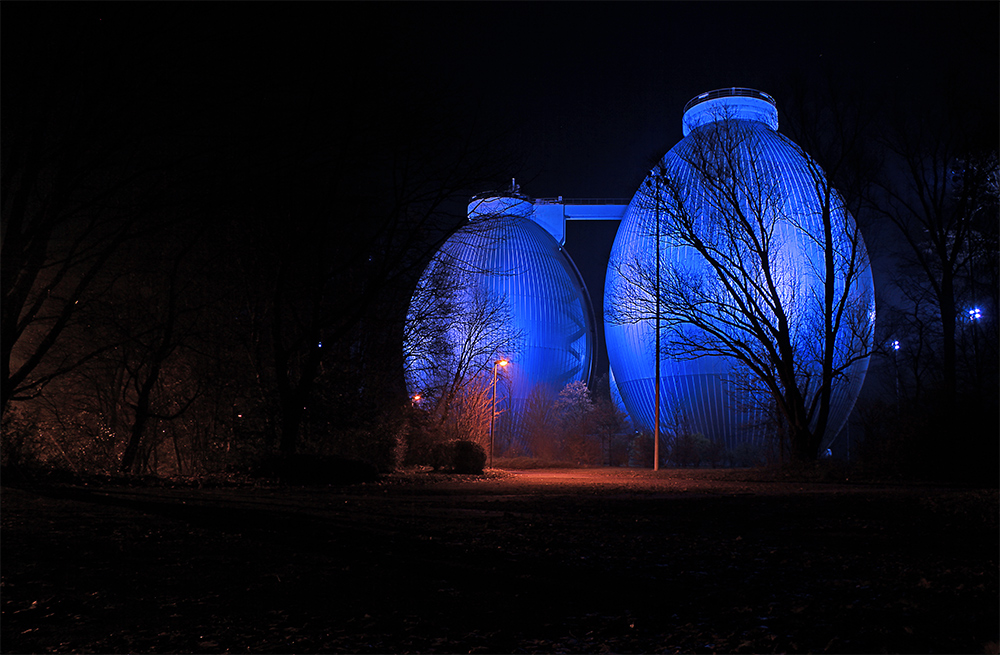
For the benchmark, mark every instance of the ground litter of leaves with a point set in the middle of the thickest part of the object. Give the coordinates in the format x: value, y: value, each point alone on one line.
x: 551, y: 561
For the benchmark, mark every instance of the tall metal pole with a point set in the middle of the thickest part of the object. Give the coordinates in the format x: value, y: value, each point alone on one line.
x: 493, y: 414
x: 656, y: 428
x: 493, y: 410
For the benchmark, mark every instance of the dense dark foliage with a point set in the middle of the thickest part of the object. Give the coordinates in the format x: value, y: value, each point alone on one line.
x: 196, y: 276
x: 459, y: 456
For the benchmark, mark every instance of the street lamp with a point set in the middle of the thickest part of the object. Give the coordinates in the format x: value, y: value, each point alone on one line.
x: 493, y: 414
x: 975, y: 314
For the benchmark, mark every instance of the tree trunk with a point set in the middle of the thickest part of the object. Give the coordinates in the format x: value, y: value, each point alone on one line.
x: 948, y: 319
x: 142, y: 416
x: 803, y: 445
x: 291, y: 425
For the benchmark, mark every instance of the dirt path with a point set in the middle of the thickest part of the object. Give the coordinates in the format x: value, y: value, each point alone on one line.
x: 539, y: 561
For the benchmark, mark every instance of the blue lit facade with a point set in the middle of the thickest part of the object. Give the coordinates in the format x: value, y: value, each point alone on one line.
x: 508, y: 257
x: 706, y: 392
x: 511, y: 250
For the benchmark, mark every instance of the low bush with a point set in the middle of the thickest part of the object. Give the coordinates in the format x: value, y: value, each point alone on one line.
x: 714, y: 453
x: 459, y: 456
x: 689, y: 450
x: 747, y: 455
x: 468, y: 457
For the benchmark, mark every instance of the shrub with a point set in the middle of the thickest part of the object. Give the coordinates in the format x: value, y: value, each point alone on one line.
x: 747, y: 455
x: 440, y: 455
x: 619, y: 448
x: 917, y: 441
x: 714, y: 453
x: 641, y: 450
x: 459, y: 456
x: 468, y: 457
x: 422, y: 441
x: 16, y: 435
x: 688, y: 450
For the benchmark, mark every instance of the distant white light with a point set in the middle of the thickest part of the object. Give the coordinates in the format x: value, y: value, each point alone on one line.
x: 975, y: 314
x: 895, y: 345
x: 320, y: 344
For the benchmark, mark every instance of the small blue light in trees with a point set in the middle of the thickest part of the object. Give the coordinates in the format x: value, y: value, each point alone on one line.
x: 895, y: 345
x: 975, y: 314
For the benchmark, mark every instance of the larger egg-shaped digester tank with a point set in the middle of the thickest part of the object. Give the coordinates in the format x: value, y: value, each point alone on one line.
x: 730, y: 141
x: 500, y: 288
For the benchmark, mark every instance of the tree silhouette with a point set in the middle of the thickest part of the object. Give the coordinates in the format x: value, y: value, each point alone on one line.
x: 940, y: 191
x: 456, y: 329
x: 792, y: 324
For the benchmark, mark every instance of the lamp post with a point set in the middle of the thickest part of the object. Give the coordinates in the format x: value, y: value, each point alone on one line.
x: 656, y: 329
x: 493, y: 413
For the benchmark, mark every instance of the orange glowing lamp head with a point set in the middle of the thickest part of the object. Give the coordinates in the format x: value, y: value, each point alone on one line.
x: 503, y: 362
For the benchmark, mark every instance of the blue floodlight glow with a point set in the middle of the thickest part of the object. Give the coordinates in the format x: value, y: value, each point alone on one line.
x: 708, y: 392
x: 975, y: 314
x: 546, y: 327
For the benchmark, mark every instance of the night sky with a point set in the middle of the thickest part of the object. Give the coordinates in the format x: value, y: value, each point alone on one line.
x: 595, y: 91
x: 586, y: 96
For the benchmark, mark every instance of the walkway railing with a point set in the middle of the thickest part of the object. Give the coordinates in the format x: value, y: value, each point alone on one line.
x: 582, y: 201
x: 729, y: 93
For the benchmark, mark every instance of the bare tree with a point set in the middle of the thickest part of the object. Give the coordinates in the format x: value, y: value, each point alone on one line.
x: 89, y: 164
x: 611, y: 425
x: 363, y: 211
x: 456, y: 330
x: 766, y: 280
x: 158, y: 386
x: 940, y: 192
x: 536, y: 421
x: 574, y: 410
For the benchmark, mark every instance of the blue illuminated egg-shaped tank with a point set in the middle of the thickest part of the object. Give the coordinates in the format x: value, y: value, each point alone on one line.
x: 504, y: 289
x: 715, y: 395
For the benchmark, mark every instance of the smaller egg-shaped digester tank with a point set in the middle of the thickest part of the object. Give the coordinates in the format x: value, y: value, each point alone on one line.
x: 500, y: 288
x: 732, y: 184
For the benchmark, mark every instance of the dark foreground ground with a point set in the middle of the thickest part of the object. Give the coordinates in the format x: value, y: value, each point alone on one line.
x: 541, y: 561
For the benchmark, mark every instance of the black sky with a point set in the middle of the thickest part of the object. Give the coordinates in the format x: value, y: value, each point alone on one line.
x: 595, y: 91
x: 587, y: 95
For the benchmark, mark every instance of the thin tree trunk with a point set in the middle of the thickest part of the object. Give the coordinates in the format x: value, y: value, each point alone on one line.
x: 948, y: 320
x: 142, y: 417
